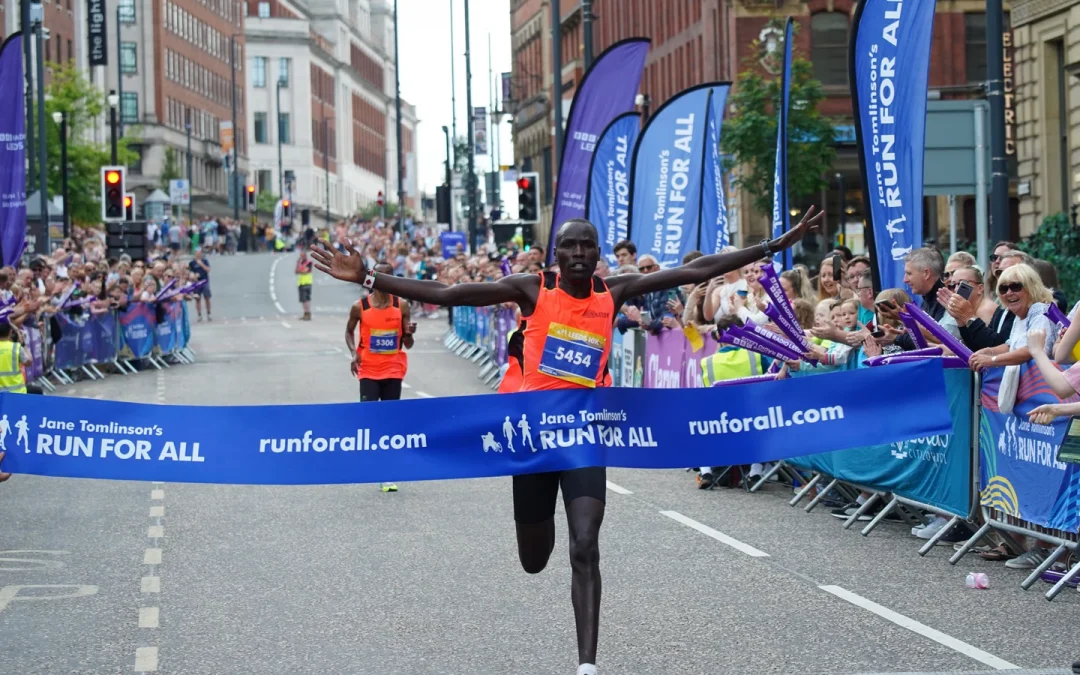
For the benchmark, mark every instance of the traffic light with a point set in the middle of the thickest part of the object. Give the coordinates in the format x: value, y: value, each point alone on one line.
x: 112, y: 194
x: 129, y: 207
x: 251, y: 198
x: 286, y: 209
x: 528, y: 200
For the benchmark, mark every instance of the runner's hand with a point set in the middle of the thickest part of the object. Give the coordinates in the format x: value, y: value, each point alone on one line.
x: 3, y: 476
x: 808, y: 224
x: 354, y: 367
x: 330, y: 261
x: 410, y: 329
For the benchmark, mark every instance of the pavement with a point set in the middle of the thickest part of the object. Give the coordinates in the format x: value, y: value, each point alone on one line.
x: 118, y: 577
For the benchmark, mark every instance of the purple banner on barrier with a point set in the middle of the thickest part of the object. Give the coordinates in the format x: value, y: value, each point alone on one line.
x: 692, y: 371
x: 664, y: 359
x: 12, y: 152
x: 35, y: 344
x: 504, y: 326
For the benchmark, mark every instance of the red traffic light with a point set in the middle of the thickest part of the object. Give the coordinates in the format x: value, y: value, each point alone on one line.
x: 112, y: 177
x: 523, y: 183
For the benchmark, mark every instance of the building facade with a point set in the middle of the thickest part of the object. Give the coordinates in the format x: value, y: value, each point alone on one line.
x: 1045, y: 86
x: 322, y: 125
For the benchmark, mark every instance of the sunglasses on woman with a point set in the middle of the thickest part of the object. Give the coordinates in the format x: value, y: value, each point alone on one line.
x: 1015, y: 287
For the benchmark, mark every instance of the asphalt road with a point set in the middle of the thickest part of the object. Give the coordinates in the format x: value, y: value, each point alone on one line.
x: 113, y: 577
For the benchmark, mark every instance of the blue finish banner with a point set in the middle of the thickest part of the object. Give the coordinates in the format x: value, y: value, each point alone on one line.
x: 608, y: 201
x: 1020, y: 474
x: 932, y: 469
x: 713, y: 235
x: 463, y: 437
x: 12, y: 152
x: 781, y: 217
x: 665, y: 209
x: 890, y: 57
x: 606, y: 91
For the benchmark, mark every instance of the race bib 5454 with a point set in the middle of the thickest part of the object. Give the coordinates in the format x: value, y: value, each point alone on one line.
x: 572, y: 354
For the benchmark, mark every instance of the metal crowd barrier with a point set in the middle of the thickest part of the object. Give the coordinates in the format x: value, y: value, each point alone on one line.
x: 82, y: 343
x: 981, y: 474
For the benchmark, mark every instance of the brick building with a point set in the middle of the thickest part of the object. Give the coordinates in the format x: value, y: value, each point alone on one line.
x: 695, y: 41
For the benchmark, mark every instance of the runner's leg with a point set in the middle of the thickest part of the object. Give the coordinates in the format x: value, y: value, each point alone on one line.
x: 534, y: 518
x: 369, y: 390
x: 584, y: 494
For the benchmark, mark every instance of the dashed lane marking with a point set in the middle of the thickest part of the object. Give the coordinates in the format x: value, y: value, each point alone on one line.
x: 155, y: 531
x: 715, y: 534
x: 157, y: 511
x: 152, y: 556
x: 150, y: 584
x: 157, y: 495
x: 273, y: 291
x: 286, y: 324
x: 148, y: 617
x: 146, y: 659
x: 618, y: 489
x: 421, y: 394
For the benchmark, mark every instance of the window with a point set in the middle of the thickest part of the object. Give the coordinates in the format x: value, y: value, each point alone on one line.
x: 975, y: 46
x: 129, y: 107
x: 127, y: 11
x: 258, y: 72
x: 829, y: 47
x: 264, y: 10
x: 260, y: 128
x: 290, y: 180
x: 264, y: 177
x: 283, y: 71
x: 127, y: 58
x: 284, y: 128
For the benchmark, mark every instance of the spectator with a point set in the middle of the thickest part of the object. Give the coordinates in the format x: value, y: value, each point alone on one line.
x: 200, y: 267
x: 980, y: 321
x: 626, y: 253
x: 828, y: 286
x: 1049, y: 276
x: 856, y: 268
x: 1025, y: 296
x: 1000, y: 249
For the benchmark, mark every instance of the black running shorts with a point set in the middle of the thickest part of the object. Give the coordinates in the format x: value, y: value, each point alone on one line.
x: 380, y: 390
x: 535, y: 493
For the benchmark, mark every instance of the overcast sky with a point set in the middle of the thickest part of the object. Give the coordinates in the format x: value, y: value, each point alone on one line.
x: 424, y: 41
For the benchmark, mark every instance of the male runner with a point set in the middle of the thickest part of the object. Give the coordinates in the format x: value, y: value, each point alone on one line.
x: 574, y: 305
x: 379, y: 360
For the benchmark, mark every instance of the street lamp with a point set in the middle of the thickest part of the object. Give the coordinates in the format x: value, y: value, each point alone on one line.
x: 235, y: 187
x: 114, y: 101
x: 61, y: 119
x: 280, y: 171
x: 446, y: 131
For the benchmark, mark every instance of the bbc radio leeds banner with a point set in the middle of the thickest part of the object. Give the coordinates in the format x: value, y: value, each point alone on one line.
x: 666, y: 175
x: 607, y: 205
x: 606, y: 91
x: 1020, y: 473
x: 429, y: 439
x: 781, y: 217
x: 12, y: 152
x: 890, y: 64
x: 714, y: 235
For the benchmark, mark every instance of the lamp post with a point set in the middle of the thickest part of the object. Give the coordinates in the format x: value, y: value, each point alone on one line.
x: 280, y: 171
x: 61, y: 119
x: 190, y: 177
x: 236, y: 193
x: 114, y: 100
x: 446, y: 132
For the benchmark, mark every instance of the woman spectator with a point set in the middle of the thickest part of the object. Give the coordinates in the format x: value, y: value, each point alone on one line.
x: 795, y: 286
x: 828, y: 287
x: 956, y: 261
x: 718, y: 296
x: 1000, y: 249
x: 1025, y: 296
x: 1048, y: 273
x: 750, y: 306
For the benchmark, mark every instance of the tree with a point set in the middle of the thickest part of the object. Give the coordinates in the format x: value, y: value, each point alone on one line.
x: 373, y: 211
x: 749, y: 133
x: 265, y: 202
x: 171, y: 169
x: 71, y: 93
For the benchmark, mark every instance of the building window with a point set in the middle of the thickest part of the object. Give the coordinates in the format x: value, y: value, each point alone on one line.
x: 829, y: 47
x: 290, y: 180
x: 127, y: 58
x: 283, y: 71
x: 260, y: 127
x: 284, y: 132
x: 975, y: 46
x: 258, y: 71
x: 127, y: 11
x: 129, y: 107
x: 264, y: 10
x: 264, y: 177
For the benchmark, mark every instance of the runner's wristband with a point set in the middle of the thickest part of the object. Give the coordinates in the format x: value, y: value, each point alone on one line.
x: 369, y: 281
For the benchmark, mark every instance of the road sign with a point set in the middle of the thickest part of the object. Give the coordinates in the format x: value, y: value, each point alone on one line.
x: 180, y: 192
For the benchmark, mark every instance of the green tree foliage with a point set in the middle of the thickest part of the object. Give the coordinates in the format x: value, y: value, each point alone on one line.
x: 1058, y: 242
x: 71, y: 93
x: 461, y: 156
x: 171, y: 169
x: 373, y: 211
x: 265, y: 202
x: 749, y: 131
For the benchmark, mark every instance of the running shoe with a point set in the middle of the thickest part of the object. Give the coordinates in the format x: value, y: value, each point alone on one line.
x: 388, y: 487
x: 845, y: 512
x: 1027, y: 561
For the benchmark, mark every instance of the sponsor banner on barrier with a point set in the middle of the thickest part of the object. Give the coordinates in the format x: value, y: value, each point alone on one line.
x: 664, y: 360
x: 1020, y: 472
x: 428, y: 439
x: 934, y: 470
x: 616, y: 359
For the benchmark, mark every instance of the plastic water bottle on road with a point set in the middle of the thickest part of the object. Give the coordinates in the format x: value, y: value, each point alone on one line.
x: 977, y: 580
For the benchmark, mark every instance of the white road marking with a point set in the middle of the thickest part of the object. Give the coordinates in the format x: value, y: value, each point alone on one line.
x: 280, y: 309
x: 422, y: 394
x: 161, y: 389
x: 152, y: 556
x: 406, y: 385
x: 618, y: 489
x: 146, y: 659
x: 15, y: 593
x: 273, y: 291
x: 922, y: 629
x: 157, y: 495
x: 150, y: 584
x: 156, y: 531
x: 715, y: 534
x: 148, y: 617
x: 286, y: 324
x: 157, y: 511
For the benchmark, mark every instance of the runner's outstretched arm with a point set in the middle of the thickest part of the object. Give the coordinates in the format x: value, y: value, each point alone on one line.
x: 711, y: 266
x: 351, y: 267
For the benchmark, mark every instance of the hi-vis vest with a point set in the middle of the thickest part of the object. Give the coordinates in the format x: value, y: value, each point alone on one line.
x: 11, y: 374
x: 303, y: 273
x: 730, y: 364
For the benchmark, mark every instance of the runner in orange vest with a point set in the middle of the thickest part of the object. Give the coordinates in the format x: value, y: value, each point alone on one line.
x: 570, y: 317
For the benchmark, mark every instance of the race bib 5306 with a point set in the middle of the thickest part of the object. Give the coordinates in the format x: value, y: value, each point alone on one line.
x: 383, y: 341
x: 573, y: 355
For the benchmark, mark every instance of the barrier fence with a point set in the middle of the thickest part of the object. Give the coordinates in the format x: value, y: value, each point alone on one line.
x: 68, y: 343
x: 995, y: 470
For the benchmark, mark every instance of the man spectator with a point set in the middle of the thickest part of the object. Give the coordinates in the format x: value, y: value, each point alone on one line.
x: 922, y: 272
x: 626, y: 253
x: 201, y: 268
x: 856, y: 268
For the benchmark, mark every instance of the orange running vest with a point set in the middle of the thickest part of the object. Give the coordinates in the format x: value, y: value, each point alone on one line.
x: 382, y: 356
x: 567, y: 340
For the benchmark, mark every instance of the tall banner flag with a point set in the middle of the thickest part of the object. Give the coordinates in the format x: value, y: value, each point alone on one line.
x: 12, y: 152
x: 606, y: 91
x: 890, y: 63
x: 607, y: 204
x: 666, y: 176
x: 781, y: 216
x: 713, y: 235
